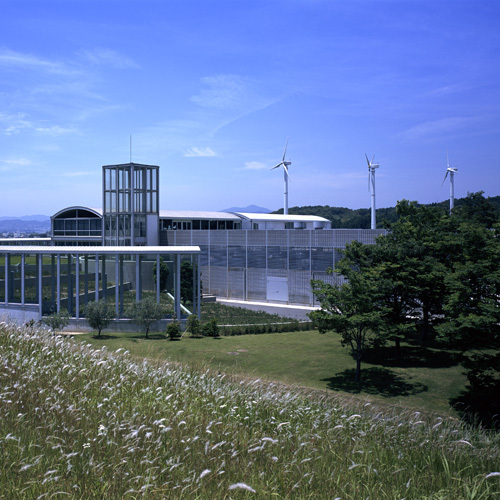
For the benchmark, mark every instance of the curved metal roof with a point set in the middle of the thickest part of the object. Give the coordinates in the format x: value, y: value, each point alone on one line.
x: 96, y: 211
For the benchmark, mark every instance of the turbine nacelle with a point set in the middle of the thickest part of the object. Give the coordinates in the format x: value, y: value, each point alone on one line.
x: 285, y: 165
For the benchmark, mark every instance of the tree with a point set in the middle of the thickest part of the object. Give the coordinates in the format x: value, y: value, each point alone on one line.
x: 164, y: 273
x: 193, y: 325
x: 98, y: 315
x: 146, y: 312
x: 187, y: 281
x: 471, y: 306
x: 174, y: 329
x: 352, y: 309
x: 57, y: 321
x: 210, y: 328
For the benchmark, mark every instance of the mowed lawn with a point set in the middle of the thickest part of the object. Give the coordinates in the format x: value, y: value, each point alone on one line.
x: 420, y: 378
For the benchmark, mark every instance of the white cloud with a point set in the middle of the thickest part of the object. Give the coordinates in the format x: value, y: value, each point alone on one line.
x: 12, y: 59
x: 224, y: 91
x: 77, y: 174
x: 193, y: 152
x: 109, y: 57
x: 255, y: 165
x: 435, y: 127
x: 20, y: 161
x: 13, y: 124
x: 55, y: 130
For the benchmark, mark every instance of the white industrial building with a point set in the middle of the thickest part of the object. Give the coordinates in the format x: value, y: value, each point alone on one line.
x: 246, y: 256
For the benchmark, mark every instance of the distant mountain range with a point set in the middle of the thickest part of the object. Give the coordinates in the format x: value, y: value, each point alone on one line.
x: 251, y: 209
x: 37, y: 217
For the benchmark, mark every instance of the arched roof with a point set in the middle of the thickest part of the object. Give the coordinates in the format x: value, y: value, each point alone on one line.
x: 66, y: 212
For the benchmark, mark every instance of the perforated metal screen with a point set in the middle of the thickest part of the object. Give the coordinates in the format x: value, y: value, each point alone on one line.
x: 237, y: 263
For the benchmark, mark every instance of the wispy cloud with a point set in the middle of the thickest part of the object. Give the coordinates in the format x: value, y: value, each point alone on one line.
x: 13, y: 59
x: 23, y: 162
x: 13, y: 124
x: 436, y: 127
x: 77, y: 174
x: 222, y: 91
x: 109, y: 57
x: 254, y: 165
x: 192, y: 152
x: 55, y: 130
x: 445, y: 90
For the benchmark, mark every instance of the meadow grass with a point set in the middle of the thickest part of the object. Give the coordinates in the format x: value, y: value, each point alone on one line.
x: 421, y: 378
x: 78, y: 421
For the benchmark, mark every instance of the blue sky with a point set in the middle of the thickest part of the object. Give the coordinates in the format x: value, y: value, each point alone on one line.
x: 210, y: 90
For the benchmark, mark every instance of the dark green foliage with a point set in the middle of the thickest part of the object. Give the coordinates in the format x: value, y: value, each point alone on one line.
x: 193, y: 326
x: 57, y: 321
x: 145, y: 313
x: 353, y: 309
x: 98, y: 315
x: 210, y: 328
x: 434, y: 272
x: 346, y: 218
x: 481, y: 401
x: 174, y: 329
x: 187, y: 281
x: 164, y: 273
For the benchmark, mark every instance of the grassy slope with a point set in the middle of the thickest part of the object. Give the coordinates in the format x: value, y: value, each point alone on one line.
x: 424, y: 379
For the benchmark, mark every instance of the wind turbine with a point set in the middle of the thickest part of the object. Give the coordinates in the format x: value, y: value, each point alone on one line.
x: 285, y: 164
x: 371, y: 187
x: 452, y: 171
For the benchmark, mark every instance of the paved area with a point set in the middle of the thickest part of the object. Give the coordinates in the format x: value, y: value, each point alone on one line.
x: 289, y: 310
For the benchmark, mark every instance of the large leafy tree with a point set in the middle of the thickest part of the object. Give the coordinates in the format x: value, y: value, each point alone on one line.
x: 353, y: 309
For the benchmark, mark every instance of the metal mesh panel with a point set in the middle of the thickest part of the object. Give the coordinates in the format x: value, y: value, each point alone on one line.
x: 218, y: 237
x: 236, y: 284
x: 182, y: 238
x: 200, y: 237
x: 322, y: 238
x: 256, y: 284
x: 299, y: 287
x: 299, y: 258
x: 278, y: 238
x: 236, y: 256
x: 299, y: 238
x: 218, y: 256
x: 257, y: 257
x: 236, y: 237
x: 218, y: 281
x: 277, y: 257
x: 344, y: 236
x: 368, y: 236
x: 322, y: 258
x: 256, y: 238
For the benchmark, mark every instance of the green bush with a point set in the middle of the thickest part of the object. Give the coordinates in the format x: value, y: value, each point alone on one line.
x: 193, y: 326
x: 174, y: 330
x: 210, y: 328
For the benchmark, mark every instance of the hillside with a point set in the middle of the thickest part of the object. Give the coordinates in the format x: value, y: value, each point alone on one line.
x: 347, y: 218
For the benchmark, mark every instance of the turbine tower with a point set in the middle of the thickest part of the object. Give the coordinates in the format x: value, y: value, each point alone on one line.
x: 371, y: 187
x: 452, y: 171
x: 285, y: 164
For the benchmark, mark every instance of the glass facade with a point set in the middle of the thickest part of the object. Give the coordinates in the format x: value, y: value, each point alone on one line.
x: 130, y: 193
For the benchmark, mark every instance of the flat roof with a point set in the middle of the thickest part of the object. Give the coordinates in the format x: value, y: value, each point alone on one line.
x: 194, y: 214
x: 27, y: 240
x: 107, y: 250
x: 281, y: 217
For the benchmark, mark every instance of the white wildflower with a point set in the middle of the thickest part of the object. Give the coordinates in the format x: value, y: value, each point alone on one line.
x: 242, y: 486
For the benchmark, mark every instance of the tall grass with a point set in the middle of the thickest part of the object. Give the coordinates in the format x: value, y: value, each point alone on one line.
x: 77, y: 422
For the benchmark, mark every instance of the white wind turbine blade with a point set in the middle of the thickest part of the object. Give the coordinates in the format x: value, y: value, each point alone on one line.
x: 447, y: 172
x: 284, y: 152
x: 367, y: 161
